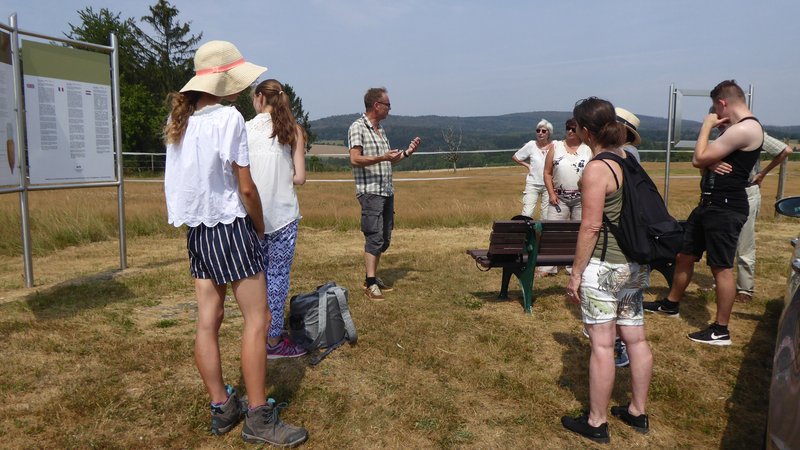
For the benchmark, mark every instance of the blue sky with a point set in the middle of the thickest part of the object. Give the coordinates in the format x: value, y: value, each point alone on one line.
x: 474, y: 58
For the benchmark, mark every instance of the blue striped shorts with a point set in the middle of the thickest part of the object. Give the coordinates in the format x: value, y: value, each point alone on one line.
x: 224, y: 252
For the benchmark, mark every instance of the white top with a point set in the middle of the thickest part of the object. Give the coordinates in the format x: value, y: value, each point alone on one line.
x: 272, y: 169
x: 535, y: 157
x: 568, y: 167
x: 199, y: 183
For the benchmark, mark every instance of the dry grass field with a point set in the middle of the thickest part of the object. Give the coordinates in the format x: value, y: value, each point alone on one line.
x: 95, y: 357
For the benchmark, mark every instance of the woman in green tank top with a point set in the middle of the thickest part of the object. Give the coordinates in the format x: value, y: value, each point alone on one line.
x: 610, y: 288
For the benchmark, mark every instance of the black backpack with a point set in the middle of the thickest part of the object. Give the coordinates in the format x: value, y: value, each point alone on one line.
x: 646, y: 233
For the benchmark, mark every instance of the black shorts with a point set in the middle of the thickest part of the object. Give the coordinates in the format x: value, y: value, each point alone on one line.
x: 224, y: 252
x: 714, y: 230
x: 377, y: 222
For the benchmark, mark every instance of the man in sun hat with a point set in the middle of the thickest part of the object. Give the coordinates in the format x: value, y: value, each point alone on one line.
x: 631, y: 123
x: 372, y: 160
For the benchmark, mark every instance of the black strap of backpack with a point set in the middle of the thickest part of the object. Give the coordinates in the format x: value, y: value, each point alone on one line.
x: 606, y: 220
x: 318, y: 359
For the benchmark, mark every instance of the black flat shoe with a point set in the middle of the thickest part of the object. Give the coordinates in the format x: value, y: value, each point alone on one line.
x: 639, y: 423
x: 581, y: 426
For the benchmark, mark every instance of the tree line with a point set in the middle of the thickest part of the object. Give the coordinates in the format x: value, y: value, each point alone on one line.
x: 155, y: 57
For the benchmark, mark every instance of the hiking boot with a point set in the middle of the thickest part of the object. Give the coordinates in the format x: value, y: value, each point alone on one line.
x: 621, y: 354
x: 381, y: 284
x: 285, y: 348
x: 227, y: 415
x: 663, y: 306
x: 263, y: 425
x: 581, y: 426
x: 374, y: 293
x: 713, y: 335
x: 638, y: 423
x: 743, y: 297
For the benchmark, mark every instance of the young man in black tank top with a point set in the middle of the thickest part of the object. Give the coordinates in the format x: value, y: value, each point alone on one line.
x: 714, y: 226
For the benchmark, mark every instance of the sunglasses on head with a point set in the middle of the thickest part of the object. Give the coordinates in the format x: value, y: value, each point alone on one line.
x: 571, y: 129
x: 542, y: 130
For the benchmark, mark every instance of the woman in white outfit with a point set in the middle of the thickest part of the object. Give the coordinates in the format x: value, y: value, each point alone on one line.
x: 532, y: 156
x: 563, y: 168
x: 277, y: 157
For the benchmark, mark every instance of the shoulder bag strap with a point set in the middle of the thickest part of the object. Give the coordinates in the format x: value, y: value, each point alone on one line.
x: 352, y: 336
x: 322, y: 316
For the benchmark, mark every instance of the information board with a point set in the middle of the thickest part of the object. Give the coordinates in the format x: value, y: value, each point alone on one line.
x: 9, y: 162
x: 68, y: 114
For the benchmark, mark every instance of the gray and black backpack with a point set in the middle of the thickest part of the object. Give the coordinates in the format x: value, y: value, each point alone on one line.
x: 321, y: 319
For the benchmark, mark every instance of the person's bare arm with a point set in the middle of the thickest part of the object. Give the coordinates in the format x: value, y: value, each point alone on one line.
x: 299, y: 158
x: 248, y: 192
x: 548, y: 178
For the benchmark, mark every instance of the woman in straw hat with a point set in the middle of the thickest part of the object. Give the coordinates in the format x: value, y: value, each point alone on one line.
x: 277, y: 155
x: 208, y: 187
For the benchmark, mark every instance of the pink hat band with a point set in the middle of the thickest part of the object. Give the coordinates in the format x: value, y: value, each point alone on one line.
x: 219, y: 69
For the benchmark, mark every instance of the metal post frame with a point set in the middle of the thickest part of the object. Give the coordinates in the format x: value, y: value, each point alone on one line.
x: 25, y: 185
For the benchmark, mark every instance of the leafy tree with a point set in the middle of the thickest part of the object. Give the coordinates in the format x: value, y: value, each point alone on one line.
x: 168, y: 52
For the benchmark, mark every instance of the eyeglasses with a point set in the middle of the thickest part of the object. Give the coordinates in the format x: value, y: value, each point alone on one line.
x: 386, y: 104
x: 571, y: 129
x: 542, y: 130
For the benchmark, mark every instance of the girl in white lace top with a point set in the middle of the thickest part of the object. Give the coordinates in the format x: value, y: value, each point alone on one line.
x: 277, y: 159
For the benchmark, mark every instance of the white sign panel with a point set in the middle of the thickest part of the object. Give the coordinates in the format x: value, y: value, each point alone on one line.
x: 69, y: 130
x: 9, y: 161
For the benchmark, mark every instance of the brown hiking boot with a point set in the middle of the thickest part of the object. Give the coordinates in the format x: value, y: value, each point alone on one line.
x: 743, y: 297
x: 381, y: 284
x: 374, y: 293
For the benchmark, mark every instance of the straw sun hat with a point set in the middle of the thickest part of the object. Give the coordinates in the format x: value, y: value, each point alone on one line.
x: 221, y: 70
x: 631, y: 122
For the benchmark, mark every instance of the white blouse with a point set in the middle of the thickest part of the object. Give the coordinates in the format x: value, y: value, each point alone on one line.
x: 199, y: 184
x: 536, y: 157
x: 568, y: 167
x: 272, y: 169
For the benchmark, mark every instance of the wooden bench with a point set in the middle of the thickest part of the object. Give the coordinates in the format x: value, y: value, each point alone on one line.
x: 513, y: 243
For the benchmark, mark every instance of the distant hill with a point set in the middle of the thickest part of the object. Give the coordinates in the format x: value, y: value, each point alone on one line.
x: 501, y: 132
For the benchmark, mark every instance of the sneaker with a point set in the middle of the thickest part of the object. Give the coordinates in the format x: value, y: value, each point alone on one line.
x: 663, y: 306
x: 263, y: 425
x: 581, y: 426
x: 285, y: 348
x: 743, y: 297
x: 381, y: 284
x: 713, y: 335
x: 227, y: 415
x: 621, y: 354
x: 639, y: 423
x: 374, y: 293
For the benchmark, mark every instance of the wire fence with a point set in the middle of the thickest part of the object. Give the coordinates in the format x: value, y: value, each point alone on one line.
x: 145, y: 164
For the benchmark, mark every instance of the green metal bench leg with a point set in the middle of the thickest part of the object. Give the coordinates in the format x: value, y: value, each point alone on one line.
x: 526, y: 276
x: 526, y: 283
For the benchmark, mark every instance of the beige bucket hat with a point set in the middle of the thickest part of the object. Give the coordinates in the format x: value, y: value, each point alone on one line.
x: 221, y: 70
x: 631, y: 122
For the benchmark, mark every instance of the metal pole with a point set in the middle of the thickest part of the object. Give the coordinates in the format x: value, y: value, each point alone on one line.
x: 670, y: 127
x: 123, y: 257
x: 781, y: 183
x: 21, y: 154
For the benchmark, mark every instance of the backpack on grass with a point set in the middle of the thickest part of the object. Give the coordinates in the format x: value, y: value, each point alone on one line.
x: 646, y: 233
x: 321, y: 319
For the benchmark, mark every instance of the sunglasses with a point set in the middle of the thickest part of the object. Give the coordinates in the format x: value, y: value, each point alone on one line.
x: 542, y: 130
x: 571, y: 129
x: 386, y: 104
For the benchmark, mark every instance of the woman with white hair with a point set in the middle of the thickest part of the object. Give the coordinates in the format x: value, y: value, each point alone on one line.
x: 532, y: 156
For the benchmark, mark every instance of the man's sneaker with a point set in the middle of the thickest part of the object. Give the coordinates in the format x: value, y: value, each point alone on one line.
x: 713, y: 335
x: 663, y: 306
x: 263, y: 425
x: 743, y: 297
x: 285, y: 348
x: 621, y: 354
x: 581, y: 426
x: 374, y: 293
x: 639, y: 423
x: 380, y: 284
x: 225, y: 416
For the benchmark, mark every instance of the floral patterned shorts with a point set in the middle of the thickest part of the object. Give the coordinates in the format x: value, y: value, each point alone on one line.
x: 613, y: 292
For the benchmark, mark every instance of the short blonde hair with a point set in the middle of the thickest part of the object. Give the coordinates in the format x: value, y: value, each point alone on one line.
x: 546, y: 124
